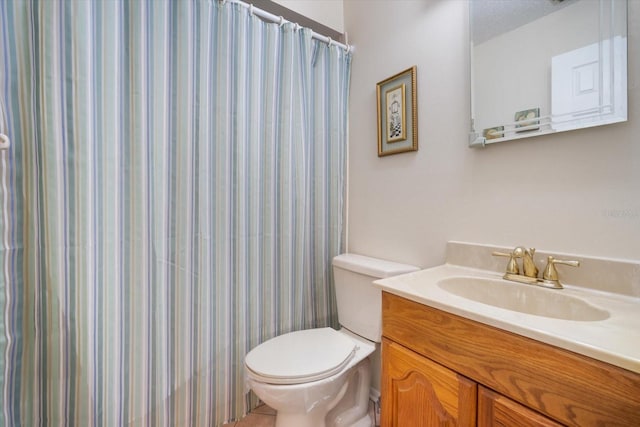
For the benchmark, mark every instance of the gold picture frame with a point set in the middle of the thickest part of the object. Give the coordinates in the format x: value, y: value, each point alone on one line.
x: 397, y: 113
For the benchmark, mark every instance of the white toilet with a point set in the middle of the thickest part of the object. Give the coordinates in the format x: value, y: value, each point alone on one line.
x: 321, y: 377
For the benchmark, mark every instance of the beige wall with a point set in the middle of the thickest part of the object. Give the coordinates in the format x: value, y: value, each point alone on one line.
x: 326, y: 12
x: 575, y: 192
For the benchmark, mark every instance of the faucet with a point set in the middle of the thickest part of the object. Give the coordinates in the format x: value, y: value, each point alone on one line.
x: 528, y: 265
x: 530, y: 271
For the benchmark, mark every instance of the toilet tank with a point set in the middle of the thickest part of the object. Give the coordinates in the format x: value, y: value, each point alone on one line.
x: 359, y: 300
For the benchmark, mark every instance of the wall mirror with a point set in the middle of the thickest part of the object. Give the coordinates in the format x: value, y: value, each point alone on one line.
x: 545, y: 66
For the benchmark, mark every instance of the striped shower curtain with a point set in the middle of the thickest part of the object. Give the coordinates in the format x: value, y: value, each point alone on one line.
x: 173, y: 196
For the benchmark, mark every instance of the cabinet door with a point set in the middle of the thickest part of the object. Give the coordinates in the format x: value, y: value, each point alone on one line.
x: 417, y: 392
x: 496, y: 410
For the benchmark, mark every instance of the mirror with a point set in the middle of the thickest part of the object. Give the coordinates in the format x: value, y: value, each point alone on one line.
x: 546, y: 66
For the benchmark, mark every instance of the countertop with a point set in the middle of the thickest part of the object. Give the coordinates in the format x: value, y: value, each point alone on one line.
x: 615, y: 340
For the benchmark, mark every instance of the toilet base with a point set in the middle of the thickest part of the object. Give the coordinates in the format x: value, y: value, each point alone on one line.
x: 297, y: 420
x: 293, y: 420
x: 353, y: 409
x: 344, y: 406
x: 365, y: 421
x: 348, y: 408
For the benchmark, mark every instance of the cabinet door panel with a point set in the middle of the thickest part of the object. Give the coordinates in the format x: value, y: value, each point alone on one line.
x: 417, y: 392
x: 495, y: 410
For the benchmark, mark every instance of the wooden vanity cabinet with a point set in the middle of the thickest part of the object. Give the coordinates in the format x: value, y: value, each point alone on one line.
x: 496, y: 410
x: 422, y: 393
x: 439, y: 369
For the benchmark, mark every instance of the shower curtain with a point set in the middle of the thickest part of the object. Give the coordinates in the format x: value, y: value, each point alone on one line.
x: 174, y: 196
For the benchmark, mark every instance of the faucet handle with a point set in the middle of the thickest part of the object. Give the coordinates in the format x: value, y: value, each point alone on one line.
x: 496, y: 253
x: 550, y: 274
x: 512, y: 266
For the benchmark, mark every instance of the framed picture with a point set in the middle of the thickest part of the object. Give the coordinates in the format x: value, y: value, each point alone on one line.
x: 397, y: 113
x: 494, y: 132
x: 524, y: 118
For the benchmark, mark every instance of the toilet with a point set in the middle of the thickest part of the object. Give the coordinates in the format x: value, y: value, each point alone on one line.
x: 322, y: 377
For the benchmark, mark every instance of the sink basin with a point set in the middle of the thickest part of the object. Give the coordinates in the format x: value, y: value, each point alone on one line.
x: 523, y: 298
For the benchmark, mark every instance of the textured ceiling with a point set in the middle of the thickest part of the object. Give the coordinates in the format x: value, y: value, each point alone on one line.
x: 490, y: 18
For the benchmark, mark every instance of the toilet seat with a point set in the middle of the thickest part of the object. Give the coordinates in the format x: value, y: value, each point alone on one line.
x: 301, y: 356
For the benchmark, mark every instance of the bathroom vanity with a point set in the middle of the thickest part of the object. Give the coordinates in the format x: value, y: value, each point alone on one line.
x: 442, y: 367
x: 448, y: 361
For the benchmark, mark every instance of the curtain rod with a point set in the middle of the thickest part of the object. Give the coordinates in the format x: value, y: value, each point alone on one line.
x: 261, y: 13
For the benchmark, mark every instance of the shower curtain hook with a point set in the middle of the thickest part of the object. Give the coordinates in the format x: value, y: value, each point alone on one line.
x: 297, y: 27
x: 281, y: 21
x: 330, y: 41
x: 250, y: 9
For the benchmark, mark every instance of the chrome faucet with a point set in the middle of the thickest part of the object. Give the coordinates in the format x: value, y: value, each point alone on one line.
x: 530, y: 271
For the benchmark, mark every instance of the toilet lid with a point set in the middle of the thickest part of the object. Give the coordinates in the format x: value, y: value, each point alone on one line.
x: 301, y: 356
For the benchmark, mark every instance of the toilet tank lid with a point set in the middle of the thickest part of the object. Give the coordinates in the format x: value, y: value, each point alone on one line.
x: 374, y: 267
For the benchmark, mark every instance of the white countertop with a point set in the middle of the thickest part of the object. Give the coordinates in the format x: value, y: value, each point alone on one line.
x: 615, y: 340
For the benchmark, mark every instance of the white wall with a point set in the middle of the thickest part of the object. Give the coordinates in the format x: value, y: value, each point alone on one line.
x: 326, y: 12
x: 575, y: 192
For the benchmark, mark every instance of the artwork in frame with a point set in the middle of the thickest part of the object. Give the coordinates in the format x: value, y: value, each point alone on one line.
x: 524, y: 118
x: 397, y: 113
x: 494, y: 132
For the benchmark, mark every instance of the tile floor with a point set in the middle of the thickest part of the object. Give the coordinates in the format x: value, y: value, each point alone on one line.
x: 264, y: 416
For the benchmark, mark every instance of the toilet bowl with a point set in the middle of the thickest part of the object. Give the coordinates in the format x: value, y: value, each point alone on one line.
x: 322, y: 377
x: 303, y: 397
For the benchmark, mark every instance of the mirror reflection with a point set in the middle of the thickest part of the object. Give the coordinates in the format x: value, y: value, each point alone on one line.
x: 545, y: 66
